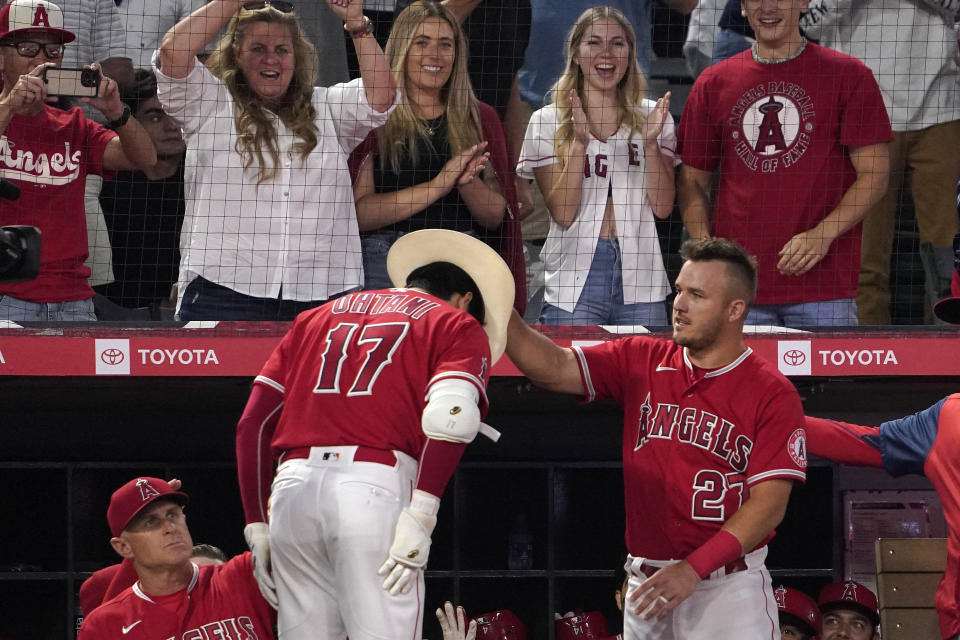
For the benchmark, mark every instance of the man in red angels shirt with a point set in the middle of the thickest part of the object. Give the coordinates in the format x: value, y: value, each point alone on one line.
x: 368, y: 403
x: 707, y: 469
x: 173, y: 597
x: 800, y: 135
x: 48, y: 153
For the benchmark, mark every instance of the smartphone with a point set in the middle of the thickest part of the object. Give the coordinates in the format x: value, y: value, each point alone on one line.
x: 84, y: 83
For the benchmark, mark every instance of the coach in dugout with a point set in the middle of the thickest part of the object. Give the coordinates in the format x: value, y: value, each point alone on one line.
x: 48, y: 153
x: 173, y: 597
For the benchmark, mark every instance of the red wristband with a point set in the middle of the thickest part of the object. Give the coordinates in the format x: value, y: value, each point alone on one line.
x: 720, y: 550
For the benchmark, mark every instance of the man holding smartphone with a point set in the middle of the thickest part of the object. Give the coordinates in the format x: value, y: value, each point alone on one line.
x: 48, y: 153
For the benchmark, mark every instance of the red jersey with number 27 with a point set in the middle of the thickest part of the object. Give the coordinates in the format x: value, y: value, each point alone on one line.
x: 356, y: 371
x: 694, y: 440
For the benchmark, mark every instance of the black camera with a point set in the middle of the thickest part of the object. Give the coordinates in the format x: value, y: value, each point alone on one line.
x: 19, y: 253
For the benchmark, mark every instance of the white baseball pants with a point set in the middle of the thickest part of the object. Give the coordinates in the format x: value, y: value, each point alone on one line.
x: 737, y: 606
x: 331, y: 527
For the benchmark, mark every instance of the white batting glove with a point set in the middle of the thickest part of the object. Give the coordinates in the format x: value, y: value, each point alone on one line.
x: 258, y: 539
x: 453, y: 624
x: 411, y: 543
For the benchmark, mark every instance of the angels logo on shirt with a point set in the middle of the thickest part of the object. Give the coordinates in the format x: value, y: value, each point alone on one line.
x: 797, y: 447
x: 643, y: 425
x: 60, y: 168
x: 773, y: 126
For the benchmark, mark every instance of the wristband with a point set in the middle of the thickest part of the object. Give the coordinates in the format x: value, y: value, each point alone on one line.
x: 425, y: 503
x: 365, y: 30
x: 122, y: 120
x: 720, y: 550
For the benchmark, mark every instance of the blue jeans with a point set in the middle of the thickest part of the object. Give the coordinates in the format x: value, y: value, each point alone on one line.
x: 375, y: 247
x: 728, y: 43
x: 601, y: 300
x: 17, y: 310
x: 823, y: 313
x: 206, y: 300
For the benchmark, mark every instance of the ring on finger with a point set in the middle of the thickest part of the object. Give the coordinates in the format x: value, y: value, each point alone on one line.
x: 663, y: 599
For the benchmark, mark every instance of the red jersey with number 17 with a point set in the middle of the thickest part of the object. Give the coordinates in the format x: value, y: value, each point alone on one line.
x: 356, y: 371
x: 694, y: 440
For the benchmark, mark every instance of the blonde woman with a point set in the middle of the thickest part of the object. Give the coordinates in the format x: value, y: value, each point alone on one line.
x: 603, y: 157
x: 270, y: 226
x: 440, y: 160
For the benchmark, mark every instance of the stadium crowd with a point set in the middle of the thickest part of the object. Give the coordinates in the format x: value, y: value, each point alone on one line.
x: 225, y: 167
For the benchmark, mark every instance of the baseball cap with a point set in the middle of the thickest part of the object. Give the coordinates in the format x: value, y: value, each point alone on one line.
x: 484, y: 265
x: 799, y: 609
x: 131, y: 498
x: 852, y: 596
x: 948, y: 309
x: 581, y: 625
x: 502, y: 624
x: 22, y: 17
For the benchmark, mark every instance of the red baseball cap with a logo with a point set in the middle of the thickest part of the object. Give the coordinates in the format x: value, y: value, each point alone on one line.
x: 797, y: 608
x: 22, y: 17
x: 500, y: 625
x: 131, y: 498
x: 852, y: 596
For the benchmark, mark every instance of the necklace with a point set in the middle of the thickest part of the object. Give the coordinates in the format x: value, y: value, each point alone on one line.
x: 755, y: 48
x: 434, y: 125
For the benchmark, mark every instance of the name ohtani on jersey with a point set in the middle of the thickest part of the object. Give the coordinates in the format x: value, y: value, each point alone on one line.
x: 695, y: 427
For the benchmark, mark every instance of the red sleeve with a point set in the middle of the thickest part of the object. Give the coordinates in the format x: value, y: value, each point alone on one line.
x: 124, y: 578
x: 511, y: 236
x: 864, y: 120
x: 254, y: 457
x: 238, y: 570
x: 842, y: 442
x: 602, y: 371
x: 779, y: 449
x: 358, y: 155
x: 438, y: 461
x: 94, y: 588
x: 465, y: 355
x: 698, y: 137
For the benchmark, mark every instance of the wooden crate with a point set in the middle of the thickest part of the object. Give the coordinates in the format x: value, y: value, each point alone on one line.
x: 912, y: 555
x: 908, y: 572
x: 909, y: 624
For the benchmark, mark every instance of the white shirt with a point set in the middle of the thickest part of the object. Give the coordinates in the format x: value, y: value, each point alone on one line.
x: 147, y: 21
x: 298, y: 230
x: 568, y: 253
x: 910, y: 46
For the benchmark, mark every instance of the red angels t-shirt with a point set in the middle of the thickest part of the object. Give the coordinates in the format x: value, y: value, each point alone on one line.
x: 49, y: 157
x: 356, y: 371
x: 694, y: 441
x: 780, y: 134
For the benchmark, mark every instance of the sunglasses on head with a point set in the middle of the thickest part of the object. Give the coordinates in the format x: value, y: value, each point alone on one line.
x: 28, y: 49
x: 279, y: 5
